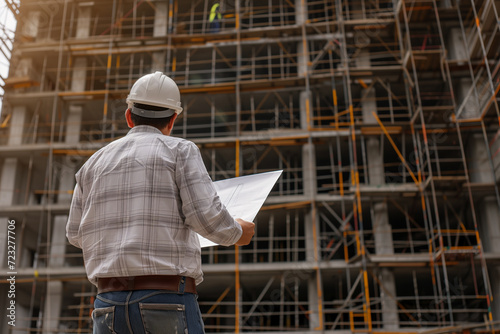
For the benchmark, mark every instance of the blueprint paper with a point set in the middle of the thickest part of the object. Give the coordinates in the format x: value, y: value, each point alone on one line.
x: 243, y: 196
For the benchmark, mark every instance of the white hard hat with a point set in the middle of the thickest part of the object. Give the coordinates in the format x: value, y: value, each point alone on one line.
x: 157, y: 90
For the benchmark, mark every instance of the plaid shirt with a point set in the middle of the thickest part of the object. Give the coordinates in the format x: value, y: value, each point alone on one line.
x: 138, y: 203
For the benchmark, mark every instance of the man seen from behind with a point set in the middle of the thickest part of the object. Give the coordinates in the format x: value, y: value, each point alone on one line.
x: 137, y: 206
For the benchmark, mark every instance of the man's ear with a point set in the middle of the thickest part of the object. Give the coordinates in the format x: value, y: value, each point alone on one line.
x: 128, y: 117
x: 171, y: 122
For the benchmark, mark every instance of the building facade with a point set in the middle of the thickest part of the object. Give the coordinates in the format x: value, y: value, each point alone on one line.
x: 382, y: 114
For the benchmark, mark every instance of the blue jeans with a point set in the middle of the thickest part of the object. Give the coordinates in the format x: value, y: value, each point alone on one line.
x: 147, y: 312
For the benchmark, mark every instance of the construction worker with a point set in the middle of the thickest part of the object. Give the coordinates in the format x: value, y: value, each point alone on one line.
x: 215, y: 18
x: 136, y: 207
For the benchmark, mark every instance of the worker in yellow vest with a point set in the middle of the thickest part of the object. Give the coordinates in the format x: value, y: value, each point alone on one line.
x: 215, y: 18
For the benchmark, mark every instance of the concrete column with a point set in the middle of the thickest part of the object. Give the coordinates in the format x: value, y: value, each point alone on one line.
x: 376, y: 174
x: 309, y: 236
x: 368, y: 106
x: 302, y: 65
x: 489, y: 213
x: 8, y: 194
x: 382, y: 229
x: 74, y: 124
x: 390, y: 316
x: 300, y: 19
x: 384, y: 245
x: 78, y: 83
x: 84, y: 20
x: 79, y: 77
x: 309, y: 170
x: 302, y: 61
x: 312, y: 292
x: 310, y: 186
x: 457, y: 50
x: 309, y: 183
x: 489, y: 227
x: 17, y: 125
x: 308, y: 152
x: 161, y: 19
x: 52, y: 308
x: 300, y: 12
x: 58, y: 242
x: 160, y: 30
x: 22, y: 320
x: 478, y: 161
x: 380, y: 218
x: 24, y: 68
x: 468, y: 102
x: 158, y: 62
x: 375, y: 159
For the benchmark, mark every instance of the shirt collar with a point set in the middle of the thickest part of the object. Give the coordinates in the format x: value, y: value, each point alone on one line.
x: 143, y: 129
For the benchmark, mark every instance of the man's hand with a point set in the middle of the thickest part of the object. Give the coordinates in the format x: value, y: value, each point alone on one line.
x: 248, y: 232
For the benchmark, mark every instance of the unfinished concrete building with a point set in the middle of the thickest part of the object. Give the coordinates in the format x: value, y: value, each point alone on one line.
x: 382, y: 114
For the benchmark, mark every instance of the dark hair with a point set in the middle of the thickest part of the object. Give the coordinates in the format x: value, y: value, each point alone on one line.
x: 159, y: 123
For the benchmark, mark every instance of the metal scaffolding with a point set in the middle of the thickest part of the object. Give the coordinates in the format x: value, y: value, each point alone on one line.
x: 383, y: 115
